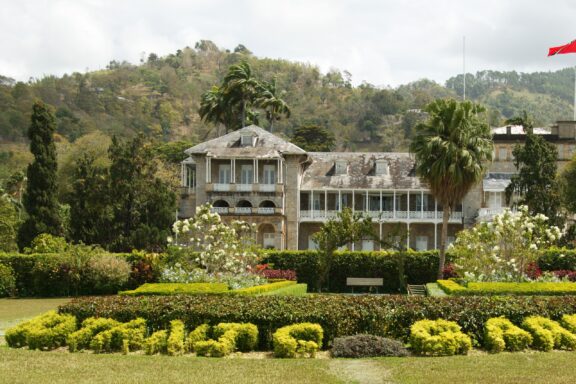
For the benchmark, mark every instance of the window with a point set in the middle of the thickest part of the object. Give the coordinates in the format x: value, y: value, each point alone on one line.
x: 224, y: 173
x: 190, y: 176
x: 381, y: 167
x: 373, y: 203
x: 503, y: 153
x: 316, y: 203
x: 246, y: 174
x: 421, y: 243
x: 313, y: 245
x: 367, y: 245
x: 341, y: 167
x: 421, y: 202
x: 495, y: 199
x: 269, y: 174
x: 388, y: 203
x: 269, y: 240
x: 247, y: 141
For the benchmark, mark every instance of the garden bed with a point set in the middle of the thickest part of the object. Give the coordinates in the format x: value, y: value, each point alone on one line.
x: 505, y: 288
x: 339, y: 315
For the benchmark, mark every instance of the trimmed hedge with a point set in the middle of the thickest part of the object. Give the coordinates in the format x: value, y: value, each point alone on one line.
x: 439, y: 338
x: 500, y: 288
x: 264, y: 288
x: 339, y: 315
x: 548, y: 334
x: 501, y: 335
x: 417, y: 267
x: 303, y: 339
x: 167, y: 289
x: 47, y: 331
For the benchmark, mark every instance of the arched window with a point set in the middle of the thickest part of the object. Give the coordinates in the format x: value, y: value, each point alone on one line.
x: 220, y: 204
x: 267, y: 204
x: 244, y: 204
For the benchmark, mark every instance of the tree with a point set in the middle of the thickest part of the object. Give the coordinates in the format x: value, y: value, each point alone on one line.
x: 314, y: 138
x: 269, y: 99
x: 568, y: 186
x: 453, y: 149
x: 40, y: 197
x: 346, y: 228
x: 241, y: 88
x: 8, y: 224
x: 535, y: 182
x: 143, y: 205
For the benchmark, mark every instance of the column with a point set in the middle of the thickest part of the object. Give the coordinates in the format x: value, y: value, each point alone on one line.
x: 339, y: 200
x: 208, y: 169
x: 408, y: 234
x: 408, y: 205
x: 422, y: 203
x: 380, y: 202
x: 353, y: 205
x: 367, y: 208
x: 233, y: 166
x: 325, y: 203
x: 255, y: 170
x: 435, y: 235
x: 394, y: 203
x: 182, y: 176
x: 435, y: 209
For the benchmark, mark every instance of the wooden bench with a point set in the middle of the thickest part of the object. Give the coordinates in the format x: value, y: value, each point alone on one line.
x: 364, y: 282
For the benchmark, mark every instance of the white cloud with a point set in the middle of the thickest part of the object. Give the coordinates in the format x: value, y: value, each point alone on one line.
x: 381, y: 42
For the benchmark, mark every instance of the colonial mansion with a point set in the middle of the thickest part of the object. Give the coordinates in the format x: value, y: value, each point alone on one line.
x: 256, y: 176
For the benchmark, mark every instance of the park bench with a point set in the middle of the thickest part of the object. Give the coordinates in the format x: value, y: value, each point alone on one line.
x: 364, y: 282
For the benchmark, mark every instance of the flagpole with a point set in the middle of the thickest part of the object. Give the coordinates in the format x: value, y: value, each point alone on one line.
x: 574, y: 93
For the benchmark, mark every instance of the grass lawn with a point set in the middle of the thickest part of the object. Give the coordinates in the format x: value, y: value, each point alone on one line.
x: 13, y: 311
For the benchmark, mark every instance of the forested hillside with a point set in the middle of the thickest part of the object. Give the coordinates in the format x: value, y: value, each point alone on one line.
x: 160, y: 98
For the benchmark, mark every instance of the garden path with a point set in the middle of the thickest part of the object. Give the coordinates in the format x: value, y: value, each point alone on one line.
x: 365, y: 371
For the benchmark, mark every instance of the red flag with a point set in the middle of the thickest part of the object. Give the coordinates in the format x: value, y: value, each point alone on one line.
x: 568, y: 48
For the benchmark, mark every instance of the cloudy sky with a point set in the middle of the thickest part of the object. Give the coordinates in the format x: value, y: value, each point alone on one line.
x: 382, y: 42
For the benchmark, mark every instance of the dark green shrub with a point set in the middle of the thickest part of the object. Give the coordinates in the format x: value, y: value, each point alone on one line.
x: 7, y: 281
x: 363, y: 345
x: 555, y: 259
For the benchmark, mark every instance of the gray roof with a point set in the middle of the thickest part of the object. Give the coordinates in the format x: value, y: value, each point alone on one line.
x: 360, y: 173
x: 519, y: 130
x: 267, y: 145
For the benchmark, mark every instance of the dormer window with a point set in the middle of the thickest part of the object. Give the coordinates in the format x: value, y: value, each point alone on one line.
x: 341, y: 167
x: 382, y: 168
x: 247, y: 140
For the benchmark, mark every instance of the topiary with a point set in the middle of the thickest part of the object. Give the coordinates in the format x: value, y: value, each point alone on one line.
x: 124, y: 337
x: 200, y: 333
x: 47, y: 331
x: 438, y: 338
x: 548, y: 334
x: 90, y: 327
x: 298, y: 339
x: 501, y: 334
x: 364, y: 345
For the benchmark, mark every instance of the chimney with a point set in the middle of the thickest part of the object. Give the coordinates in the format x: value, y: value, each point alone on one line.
x: 508, y: 130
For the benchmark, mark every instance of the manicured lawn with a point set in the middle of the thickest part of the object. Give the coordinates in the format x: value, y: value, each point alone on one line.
x: 504, y: 368
x: 20, y: 366
x: 12, y: 311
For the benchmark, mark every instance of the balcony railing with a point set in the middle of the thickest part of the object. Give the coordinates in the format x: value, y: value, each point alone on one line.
x: 243, y: 187
x: 267, y: 187
x: 231, y: 187
x: 266, y: 210
x: 487, y: 214
x: 218, y: 187
x: 243, y: 210
x: 320, y: 215
x: 220, y: 210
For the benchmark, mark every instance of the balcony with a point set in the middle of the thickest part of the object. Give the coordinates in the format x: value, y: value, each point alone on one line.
x: 424, y: 216
x: 267, y: 187
x: 487, y: 214
x: 218, y: 187
x: 220, y: 210
x: 266, y: 211
x: 244, y: 188
x: 243, y: 210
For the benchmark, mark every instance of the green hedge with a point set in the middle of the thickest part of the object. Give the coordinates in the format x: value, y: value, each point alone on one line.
x: 167, y: 289
x: 417, y: 267
x: 555, y: 259
x: 339, y: 315
x: 501, y: 288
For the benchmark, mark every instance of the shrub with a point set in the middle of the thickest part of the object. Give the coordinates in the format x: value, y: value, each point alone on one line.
x: 290, y: 290
x: 298, y: 339
x: 246, y: 334
x: 47, y: 331
x: 176, y: 339
x: 47, y: 243
x: 339, y: 315
x: 508, y: 288
x: 363, y: 345
x: 555, y: 259
x: 260, y: 289
x: 569, y: 322
x: 156, y: 343
x: 124, y: 337
x: 439, y: 338
x: 198, y: 334
x: 7, y: 281
x: 282, y: 274
x: 90, y: 327
x: 176, y: 289
x: 548, y: 334
x: 451, y: 287
x: 107, y: 273
x: 501, y: 334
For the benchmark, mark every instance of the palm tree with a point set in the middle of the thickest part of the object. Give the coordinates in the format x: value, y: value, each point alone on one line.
x: 269, y: 100
x: 240, y: 88
x: 453, y: 149
x: 216, y: 108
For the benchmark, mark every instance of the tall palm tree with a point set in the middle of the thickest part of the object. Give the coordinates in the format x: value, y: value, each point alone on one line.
x: 453, y: 149
x: 216, y: 108
x: 241, y: 88
x: 269, y: 100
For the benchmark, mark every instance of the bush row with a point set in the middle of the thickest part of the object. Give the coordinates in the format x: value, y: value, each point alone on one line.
x: 506, y: 288
x: 168, y: 289
x: 387, y: 316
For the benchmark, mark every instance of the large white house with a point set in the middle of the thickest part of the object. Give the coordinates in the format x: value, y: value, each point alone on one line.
x: 253, y: 175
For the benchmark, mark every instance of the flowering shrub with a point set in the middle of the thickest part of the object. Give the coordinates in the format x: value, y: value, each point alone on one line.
x: 217, y: 247
x: 284, y: 274
x: 178, y: 274
x: 502, y: 250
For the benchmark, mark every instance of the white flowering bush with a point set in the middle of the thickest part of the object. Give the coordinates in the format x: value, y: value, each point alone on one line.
x: 503, y: 249
x: 179, y: 274
x: 216, y: 247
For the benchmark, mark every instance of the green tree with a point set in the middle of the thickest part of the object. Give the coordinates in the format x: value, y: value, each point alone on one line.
x: 143, y: 205
x: 568, y: 186
x: 40, y: 197
x: 348, y: 227
x: 269, y: 99
x: 9, y: 223
x: 241, y: 88
x: 314, y: 138
x: 453, y: 149
x: 535, y: 181
x: 91, y: 213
